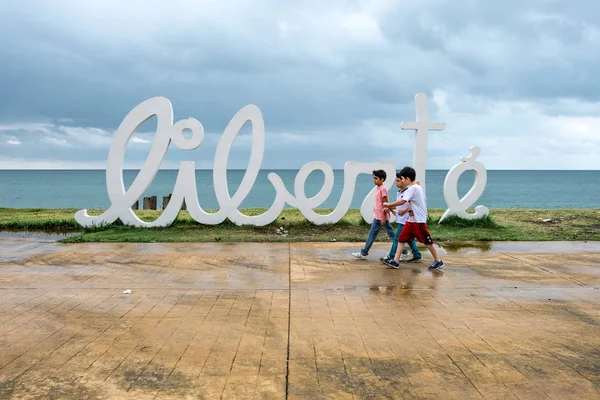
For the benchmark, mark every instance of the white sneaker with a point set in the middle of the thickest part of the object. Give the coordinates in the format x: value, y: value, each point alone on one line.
x: 359, y: 256
x: 405, y: 257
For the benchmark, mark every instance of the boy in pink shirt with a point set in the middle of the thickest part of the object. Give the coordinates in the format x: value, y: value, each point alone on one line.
x: 382, y: 215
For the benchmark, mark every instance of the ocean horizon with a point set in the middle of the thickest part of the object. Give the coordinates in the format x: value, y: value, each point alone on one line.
x: 536, y: 189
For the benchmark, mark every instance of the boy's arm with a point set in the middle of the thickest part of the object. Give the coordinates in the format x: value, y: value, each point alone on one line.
x: 394, y: 204
x: 407, y: 197
x: 385, y: 210
x: 407, y: 209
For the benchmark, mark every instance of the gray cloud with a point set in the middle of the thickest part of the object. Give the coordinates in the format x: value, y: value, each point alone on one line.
x: 333, y: 80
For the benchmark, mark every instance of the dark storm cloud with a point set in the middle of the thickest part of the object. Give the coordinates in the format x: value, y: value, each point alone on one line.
x: 341, y: 74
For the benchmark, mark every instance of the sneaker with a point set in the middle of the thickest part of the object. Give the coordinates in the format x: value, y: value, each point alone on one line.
x: 385, y: 259
x: 359, y: 255
x: 404, y: 257
x: 436, y: 266
x: 392, y: 264
x: 415, y: 259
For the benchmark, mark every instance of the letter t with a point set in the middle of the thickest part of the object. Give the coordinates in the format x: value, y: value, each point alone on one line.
x: 422, y: 126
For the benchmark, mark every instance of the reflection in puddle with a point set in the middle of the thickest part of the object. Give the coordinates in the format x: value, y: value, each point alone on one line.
x: 465, y: 247
x: 401, y: 289
x: 518, y: 247
x: 408, y: 281
x: 383, y: 289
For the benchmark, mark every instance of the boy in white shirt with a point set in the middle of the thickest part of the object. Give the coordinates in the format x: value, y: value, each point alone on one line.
x: 401, y: 219
x: 416, y: 226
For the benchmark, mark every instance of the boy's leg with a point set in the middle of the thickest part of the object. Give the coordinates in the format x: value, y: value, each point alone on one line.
x: 433, y: 252
x: 395, y: 263
x: 424, y: 237
x: 415, y: 251
x: 391, y: 235
x: 438, y: 263
x: 392, y: 253
x: 399, y: 251
x: 389, y: 229
x: 404, y: 251
x: 406, y: 236
x: 373, y: 232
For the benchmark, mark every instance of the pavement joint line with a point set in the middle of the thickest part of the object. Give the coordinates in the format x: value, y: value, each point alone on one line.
x: 287, y: 361
x: 544, y: 269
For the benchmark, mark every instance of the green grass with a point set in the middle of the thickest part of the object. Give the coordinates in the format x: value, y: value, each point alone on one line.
x: 38, y: 219
x: 502, y: 225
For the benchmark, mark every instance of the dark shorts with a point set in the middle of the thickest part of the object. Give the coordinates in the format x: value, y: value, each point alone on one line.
x: 415, y: 230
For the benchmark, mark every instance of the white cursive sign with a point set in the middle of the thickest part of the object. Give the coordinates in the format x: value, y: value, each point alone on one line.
x: 458, y: 206
x: 168, y: 132
x: 421, y: 126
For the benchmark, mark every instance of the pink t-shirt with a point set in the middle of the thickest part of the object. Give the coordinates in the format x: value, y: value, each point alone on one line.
x: 380, y: 193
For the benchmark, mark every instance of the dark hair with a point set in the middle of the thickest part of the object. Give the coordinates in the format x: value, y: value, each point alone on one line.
x: 409, y: 173
x: 380, y: 174
x: 398, y: 175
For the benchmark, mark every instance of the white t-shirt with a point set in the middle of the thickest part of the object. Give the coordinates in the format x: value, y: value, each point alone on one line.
x: 418, y: 203
x: 401, y: 219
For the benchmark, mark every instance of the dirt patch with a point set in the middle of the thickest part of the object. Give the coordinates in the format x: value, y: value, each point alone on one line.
x: 7, y: 389
x: 156, y: 377
x: 365, y: 378
x: 49, y: 389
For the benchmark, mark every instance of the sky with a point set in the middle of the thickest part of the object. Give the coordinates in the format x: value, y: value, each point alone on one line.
x: 334, y: 79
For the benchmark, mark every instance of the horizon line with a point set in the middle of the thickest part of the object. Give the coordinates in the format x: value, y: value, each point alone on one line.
x: 264, y: 169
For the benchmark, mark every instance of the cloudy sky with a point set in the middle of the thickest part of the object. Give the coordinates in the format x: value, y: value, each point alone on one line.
x: 334, y: 79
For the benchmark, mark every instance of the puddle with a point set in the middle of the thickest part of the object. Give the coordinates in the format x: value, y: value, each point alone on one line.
x: 519, y: 247
x: 41, y: 236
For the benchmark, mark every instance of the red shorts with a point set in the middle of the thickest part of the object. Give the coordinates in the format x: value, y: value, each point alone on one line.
x: 415, y: 230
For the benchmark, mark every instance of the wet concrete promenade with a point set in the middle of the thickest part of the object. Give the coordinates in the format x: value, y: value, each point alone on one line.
x: 306, y: 320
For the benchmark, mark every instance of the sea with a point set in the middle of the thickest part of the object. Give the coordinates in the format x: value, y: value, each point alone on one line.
x: 504, y: 189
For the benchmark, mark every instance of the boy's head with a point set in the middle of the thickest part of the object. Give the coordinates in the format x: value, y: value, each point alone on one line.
x: 408, y: 175
x: 379, y: 176
x: 400, y: 184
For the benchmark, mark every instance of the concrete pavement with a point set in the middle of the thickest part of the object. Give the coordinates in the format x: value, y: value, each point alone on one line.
x: 304, y: 320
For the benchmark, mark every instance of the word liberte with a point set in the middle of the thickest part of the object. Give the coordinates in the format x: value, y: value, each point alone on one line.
x: 168, y: 132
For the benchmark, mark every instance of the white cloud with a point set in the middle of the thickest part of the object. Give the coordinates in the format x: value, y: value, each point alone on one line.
x: 136, y: 139
x: 518, y: 134
x: 61, y: 135
x: 41, y: 164
x: 92, y: 137
x: 9, y: 140
x: 54, y: 141
x: 27, y: 127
